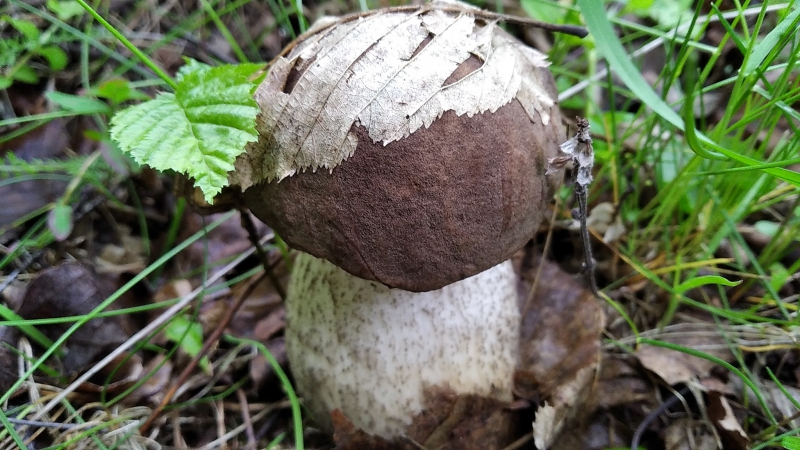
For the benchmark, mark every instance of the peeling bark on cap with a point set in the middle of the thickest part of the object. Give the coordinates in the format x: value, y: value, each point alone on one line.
x: 433, y: 128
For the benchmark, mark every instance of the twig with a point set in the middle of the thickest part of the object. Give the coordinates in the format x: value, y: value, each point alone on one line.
x: 251, y: 436
x: 247, y: 223
x: 41, y: 424
x: 547, y: 242
x: 579, y: 151
x: 566, y: 29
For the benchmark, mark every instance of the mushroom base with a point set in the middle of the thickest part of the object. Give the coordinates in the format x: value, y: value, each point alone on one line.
x: 372, y: 351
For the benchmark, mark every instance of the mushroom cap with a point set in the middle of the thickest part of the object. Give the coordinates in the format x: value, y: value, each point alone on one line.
x: 437, y: 186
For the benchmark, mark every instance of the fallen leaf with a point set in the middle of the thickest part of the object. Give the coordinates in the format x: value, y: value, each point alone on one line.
x: 348, y: 437
x: 127, y: 256
x: 74, y: 289
x: 8, y: 357
x: 728, y: 427
x: 676, y: 367
x: 227, y: 240
x: 152, y: 390
x: 448, y: 422
x: 559, y: 349
x: 120, y: 374
x: 462, y: 422
x: 604, y: 220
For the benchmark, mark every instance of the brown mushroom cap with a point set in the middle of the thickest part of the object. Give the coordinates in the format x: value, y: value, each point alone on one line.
x: 436, y: 206
x: 439, y: 206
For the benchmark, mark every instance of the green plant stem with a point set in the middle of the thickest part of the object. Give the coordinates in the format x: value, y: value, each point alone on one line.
x: 237, y: 50
x: 287, y: 385
x: 129, y: 45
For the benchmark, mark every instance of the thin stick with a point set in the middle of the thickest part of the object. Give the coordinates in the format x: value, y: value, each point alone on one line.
x: 677, y: 397
x: 548, y: 240
x: 247, y: 223
x: 489, y: 15
x: 579, y: 151
x: 251, y: 436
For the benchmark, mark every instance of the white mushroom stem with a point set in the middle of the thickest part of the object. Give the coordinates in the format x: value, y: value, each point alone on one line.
x: 370, y: 351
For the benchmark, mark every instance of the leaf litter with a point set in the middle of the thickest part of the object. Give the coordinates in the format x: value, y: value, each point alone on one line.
x: 602, y: 410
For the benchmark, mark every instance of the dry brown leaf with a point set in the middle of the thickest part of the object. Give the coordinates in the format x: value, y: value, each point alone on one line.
x: 8, y: 357
x: 263, y: 301
x: 360, y: 73
x: 559, y: 351
x: 152, y: 390
x: 782, y: 407
x: 560, y: 334
x: 74, y: 289
x: 728, y: 427
x: 128, y: 256
x: 348, y: 437
x: 117, y: 376
x: 619, y: 383
x: 604, y: 220
x: 448, y: 422
x: 676, y: 367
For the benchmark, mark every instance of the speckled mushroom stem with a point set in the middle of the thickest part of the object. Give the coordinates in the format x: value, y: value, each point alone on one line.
x: 371, y: 351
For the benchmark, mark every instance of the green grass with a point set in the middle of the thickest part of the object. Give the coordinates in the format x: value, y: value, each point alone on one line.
x: 135, y: 77
x: 712, y: 178
x: 698, y: 183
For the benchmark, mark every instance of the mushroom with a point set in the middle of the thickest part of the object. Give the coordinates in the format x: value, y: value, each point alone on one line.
x: 404, y: 154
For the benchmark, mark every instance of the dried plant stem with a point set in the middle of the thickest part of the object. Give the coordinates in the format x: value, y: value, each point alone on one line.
x: 589, y: 264
x: 251, y: 436
x: 578, y: 150
x: 676, y: 398
x: 247, y: 223
x: 548, y: 240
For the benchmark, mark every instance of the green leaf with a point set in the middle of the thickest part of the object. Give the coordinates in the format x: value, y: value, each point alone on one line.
x: 189, y: 335
x: 77, y: 103
x: 545, y: 11
x: 763, y: 48
x: 56, y: 58
x: 27, y: 28
x: 59, y: 220
x: 5, y: 82
x: 65, y: 9
x: 778, y: 276
x: 190, y: 66
x: 26, y: 74
x: 118, y: 91
x: 791, y: 443
x: 198, y: 131
x: 703, y: 281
